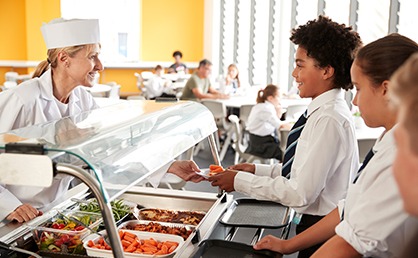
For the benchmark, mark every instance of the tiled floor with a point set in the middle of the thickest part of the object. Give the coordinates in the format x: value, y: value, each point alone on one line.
x: 203, y: 159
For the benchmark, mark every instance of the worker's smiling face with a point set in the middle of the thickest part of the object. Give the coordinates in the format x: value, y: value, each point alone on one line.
x: 84, y: 66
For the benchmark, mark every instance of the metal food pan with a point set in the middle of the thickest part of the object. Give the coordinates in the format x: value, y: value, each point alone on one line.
x: 146, y: 222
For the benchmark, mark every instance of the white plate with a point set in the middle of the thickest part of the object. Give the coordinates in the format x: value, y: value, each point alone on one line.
x: 141, y: 235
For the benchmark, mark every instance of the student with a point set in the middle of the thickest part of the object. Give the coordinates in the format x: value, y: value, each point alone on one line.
x: 263, y: 122
x: 326, y: 152
x: 73, y: 60
x: 231, y: 83
x: 405, y: 96
x: 157, y: 85
x: 199, y: 87
x: 178, y: 66
x: 371, y: 221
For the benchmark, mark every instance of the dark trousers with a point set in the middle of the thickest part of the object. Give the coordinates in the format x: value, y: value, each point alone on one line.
x: 306, y: 222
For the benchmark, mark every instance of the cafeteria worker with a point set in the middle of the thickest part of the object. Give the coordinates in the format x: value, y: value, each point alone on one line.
x: 53, y: 93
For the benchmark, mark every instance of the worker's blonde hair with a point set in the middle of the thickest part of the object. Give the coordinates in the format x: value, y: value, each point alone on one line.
x: 52, y: 59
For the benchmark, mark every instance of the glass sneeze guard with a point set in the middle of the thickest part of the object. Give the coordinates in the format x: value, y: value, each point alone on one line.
x: 125, y: 143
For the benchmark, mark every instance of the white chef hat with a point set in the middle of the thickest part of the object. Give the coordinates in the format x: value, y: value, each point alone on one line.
x: 60, y: 33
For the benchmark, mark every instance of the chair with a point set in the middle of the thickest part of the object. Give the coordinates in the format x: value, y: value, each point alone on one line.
x: 244, y: 113
x: 11, y: 76
x: 114, y: 91
x: 218, y: 110
x: 140, y: 84
x: 240, y: 155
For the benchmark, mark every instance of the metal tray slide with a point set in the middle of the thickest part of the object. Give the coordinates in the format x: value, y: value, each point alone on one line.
x: 246, y: 212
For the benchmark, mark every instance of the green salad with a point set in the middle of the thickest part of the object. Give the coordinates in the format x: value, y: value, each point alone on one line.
x: 119, y: 208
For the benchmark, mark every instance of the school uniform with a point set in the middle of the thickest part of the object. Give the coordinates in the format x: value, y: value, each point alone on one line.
x: 262, y: 124
x: 326, y: 155
x: 374, y: 222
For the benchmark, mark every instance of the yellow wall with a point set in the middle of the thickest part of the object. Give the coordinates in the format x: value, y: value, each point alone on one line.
x: 38, y: 12
x: 172, y: 25
x: 166, y: 26
x: 13, y: 30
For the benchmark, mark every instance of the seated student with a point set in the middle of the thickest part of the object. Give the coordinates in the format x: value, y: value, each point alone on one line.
x: 178, y: 66
x: 157, y: 85
x: 231, y: 83
x: 263, y: 123
x: 321, y: 160
x: 405, y: 167
x: 199, y: 86
x: 371, y: 222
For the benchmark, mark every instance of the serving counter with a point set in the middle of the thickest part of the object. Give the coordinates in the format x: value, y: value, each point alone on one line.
x: 113, y: 150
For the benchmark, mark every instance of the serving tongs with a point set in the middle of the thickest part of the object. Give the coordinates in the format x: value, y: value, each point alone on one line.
x: 17, y: 249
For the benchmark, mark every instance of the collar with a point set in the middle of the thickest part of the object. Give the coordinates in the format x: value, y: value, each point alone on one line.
x: 385, y: 140
x: 324, y: 98
x: 45, y: 82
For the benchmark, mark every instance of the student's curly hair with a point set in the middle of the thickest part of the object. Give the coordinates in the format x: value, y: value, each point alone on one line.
x: 329, y: 43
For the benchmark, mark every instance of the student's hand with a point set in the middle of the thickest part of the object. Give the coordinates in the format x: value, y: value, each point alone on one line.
x: 225, y: 180
x: 24, y: 213
x: 272, y: 243
x: 186, y: 170
x: 246, y: 167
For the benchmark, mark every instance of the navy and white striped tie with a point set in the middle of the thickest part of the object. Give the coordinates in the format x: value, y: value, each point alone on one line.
x: 292, y: 141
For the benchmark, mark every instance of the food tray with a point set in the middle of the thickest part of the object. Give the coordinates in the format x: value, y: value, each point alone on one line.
x: 215, y: 248
x: 95, y: 209
x: 246, y: 212
x: 141, y: 235
x: 171, y: 216
x: 65, y: 240
x: 132, y: 223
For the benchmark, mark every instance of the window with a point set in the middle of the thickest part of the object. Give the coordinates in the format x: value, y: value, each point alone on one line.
x: 119, y: 25
x: 255, y: 33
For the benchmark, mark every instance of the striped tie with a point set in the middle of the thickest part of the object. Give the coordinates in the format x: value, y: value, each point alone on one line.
x: 366, y: 160
x: 292, y: 141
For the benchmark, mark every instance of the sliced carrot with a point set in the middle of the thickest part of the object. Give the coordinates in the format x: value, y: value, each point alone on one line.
x: 129, y: 234
x: 130, y: 249
x: 90, y: 243
x: 172, y: 248
x: 125, y: 243
x: 121, y: 234
x: 128, y: 238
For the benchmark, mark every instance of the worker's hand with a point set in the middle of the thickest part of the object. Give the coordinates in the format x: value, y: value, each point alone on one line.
x: 246, y: 167
x: 186, y: 170
x: 272, y: 243
x: 24, y: 213
x: 225, y: 180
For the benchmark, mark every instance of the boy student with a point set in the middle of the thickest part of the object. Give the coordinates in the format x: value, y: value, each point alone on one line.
x: 370, y: 222
x: 322, y: 158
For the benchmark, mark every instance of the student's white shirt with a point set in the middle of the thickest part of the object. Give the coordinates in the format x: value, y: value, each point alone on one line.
x: 263, y: 119
x: 155, y: 86
x: 375, y: 223
x: 326, y: 155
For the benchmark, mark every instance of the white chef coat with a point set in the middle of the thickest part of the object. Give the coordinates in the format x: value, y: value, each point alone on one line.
x: 325, y: 157
x: 263, y: 119
x: 30, y: 103
x: 375, y: 223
